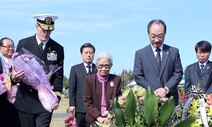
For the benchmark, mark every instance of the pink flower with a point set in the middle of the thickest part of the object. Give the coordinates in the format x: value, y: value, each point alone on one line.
x: 3, y: 80
x: 70, y: 121
x: 209, y: 100
x: 182, y: 96
x: 1, y: 77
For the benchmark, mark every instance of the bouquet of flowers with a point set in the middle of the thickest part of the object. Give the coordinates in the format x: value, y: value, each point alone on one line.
x: 70, y: 121
x: 200, y: 105
x: 3, y: 82
x: 36, y: 77
x: 141, y: 108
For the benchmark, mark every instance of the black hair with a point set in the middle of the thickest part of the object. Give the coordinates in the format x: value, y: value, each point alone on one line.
x: 203, y: 46
x: 87, y: 45
x: 1, y: 41
x: 157, y: 21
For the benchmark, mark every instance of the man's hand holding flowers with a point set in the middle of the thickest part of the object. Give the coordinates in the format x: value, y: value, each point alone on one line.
x: 28, y: 69
x: 17, y: 76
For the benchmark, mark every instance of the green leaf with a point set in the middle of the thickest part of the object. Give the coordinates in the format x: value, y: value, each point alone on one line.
x: 187, y: 123
x: 150, y: 107
x: 130, y: 106
x: 166, y: 111
x: 118, y: 114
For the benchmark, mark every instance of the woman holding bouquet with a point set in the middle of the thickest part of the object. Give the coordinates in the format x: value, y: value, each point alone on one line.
x: 100, y: 90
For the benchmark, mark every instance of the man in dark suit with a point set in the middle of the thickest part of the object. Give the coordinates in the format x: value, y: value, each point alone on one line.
x: 199, y: 73
x: 158, y: 65
x: 8, y: 113
x: 76, y: 83
x: 30, y: 109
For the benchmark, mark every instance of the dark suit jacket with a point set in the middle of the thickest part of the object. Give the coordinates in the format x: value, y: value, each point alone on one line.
x: 193, y: 76
x: 27, y: 97
x: 93, y: 94
x: 146, y: 72
x: 76, y: 86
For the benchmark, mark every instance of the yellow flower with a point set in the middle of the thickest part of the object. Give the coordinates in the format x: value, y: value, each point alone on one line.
x: 103, y: 125
x: 179, y: 113
x: 139, y: 91
x: 196, y: 123
x: 121, y: 100
x: 195, y: 103
x: 125, y: 93
x: 193, y: 110
x: 209, y: 110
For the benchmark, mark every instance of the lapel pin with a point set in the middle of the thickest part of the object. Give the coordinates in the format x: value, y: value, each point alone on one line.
x: 111, y: 84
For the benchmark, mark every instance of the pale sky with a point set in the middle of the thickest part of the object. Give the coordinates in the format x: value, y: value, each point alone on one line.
x: 114, y: 26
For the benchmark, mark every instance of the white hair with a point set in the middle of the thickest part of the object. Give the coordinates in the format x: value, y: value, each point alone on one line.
x: 104, y: 55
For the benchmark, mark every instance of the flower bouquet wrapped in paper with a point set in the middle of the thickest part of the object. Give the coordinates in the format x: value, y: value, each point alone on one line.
x: 3, y: 81
x: 36, y: 77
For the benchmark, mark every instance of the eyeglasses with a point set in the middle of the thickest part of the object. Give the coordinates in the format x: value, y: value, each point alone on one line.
x: 8, y: 46
x: 107, y: 66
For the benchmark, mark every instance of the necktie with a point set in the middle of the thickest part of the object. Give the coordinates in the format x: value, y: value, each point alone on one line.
x: 41, y: 47
x: 158, y: 58
x: 89, y: 69
x: 201, y: 68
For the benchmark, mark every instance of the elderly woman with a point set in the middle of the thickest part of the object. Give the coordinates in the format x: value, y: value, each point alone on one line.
x: 100, y: 89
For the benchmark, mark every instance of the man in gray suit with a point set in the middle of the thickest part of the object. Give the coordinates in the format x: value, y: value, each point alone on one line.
x: 158, y: 65
x: 199, y: 73
x: 76, y: 83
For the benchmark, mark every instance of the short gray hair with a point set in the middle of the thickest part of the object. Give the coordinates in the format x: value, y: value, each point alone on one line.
x: 104, y: 55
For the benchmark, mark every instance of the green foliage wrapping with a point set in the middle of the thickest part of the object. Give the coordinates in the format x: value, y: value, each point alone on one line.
x: 187, y: 123
x: 166, y: 111
x: 130, y: 106
x: 118, y: 114
x: 150, y: 107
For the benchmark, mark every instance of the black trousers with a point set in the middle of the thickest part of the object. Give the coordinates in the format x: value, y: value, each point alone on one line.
x: 8, y: 113
x: 80, y: 118
x: 35, y: 120
x: 9, y: 118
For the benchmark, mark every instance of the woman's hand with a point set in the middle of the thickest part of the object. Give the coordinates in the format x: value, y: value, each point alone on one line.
x: 103, y: 120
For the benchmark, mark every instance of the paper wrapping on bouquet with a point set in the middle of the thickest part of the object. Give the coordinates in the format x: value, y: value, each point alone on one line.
x: 3, y: 81
x: 36, y: 77
x: 198, y: 94
x: 11, y: 94
x: 3, y: 75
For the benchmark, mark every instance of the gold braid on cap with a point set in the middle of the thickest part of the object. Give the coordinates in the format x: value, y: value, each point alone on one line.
x: 45, y: 26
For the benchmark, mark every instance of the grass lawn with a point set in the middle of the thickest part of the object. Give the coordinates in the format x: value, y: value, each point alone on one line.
x: 59, y: 121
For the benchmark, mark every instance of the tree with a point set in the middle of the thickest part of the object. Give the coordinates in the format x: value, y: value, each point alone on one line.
x: 126, y: 77
x: 65, y: 82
